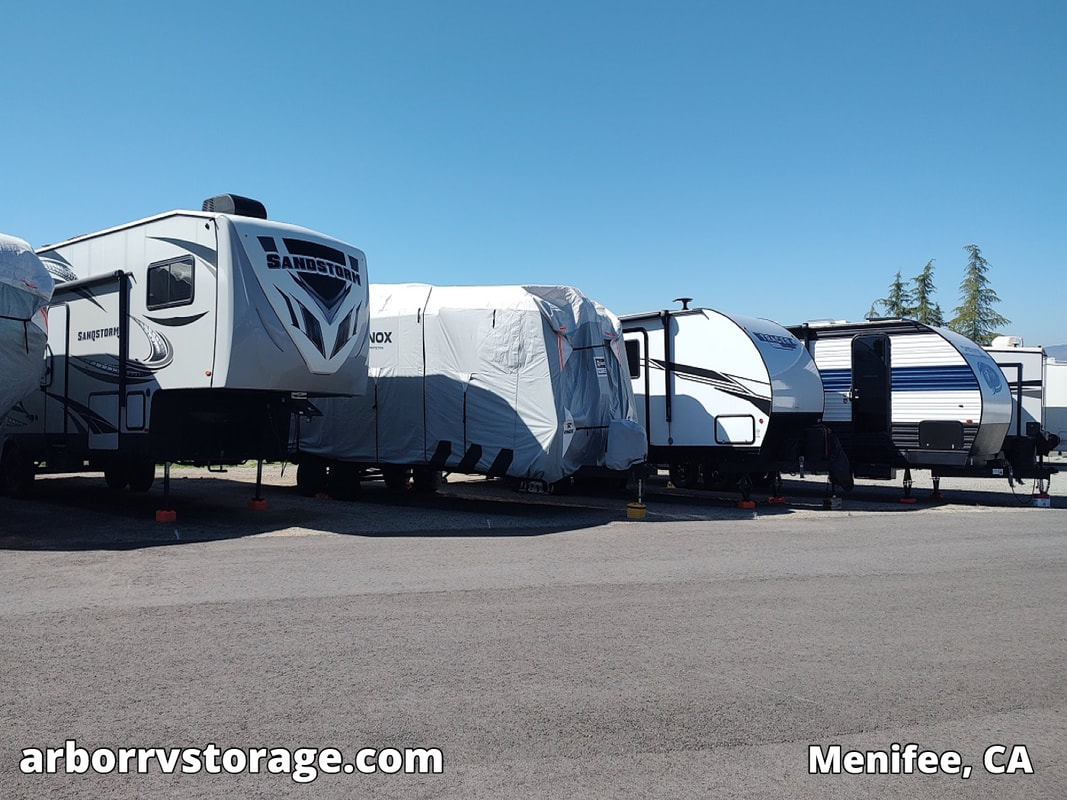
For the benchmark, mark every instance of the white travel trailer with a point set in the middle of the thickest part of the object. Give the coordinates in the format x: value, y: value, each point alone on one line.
x: 901, y: 394
x: 722, y: 396
x: 190, y: 337
x: 1056, y: 401
x: 527, y: 382
x: 25, y: 288
x: 1024, y: 369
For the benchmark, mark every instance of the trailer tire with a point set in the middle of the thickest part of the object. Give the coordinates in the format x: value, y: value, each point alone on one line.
x: 396, y: 478
x: 116, y: 476
x: 16, y: 473
x: 142, y: 475
x: 715, y: 481
x: 685, y: 475
x: 425, y: 480
x: 310, y: 476
x: 761, y: 480
x: 343, y: 481
x: 563, y: 486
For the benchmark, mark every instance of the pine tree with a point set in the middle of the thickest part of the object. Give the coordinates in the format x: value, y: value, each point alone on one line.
x: 926, y: 310
x: 975, y: 317
x: 897, y: 303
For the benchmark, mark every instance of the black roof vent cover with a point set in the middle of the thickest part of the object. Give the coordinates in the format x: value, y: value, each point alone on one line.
x: 235, y: 204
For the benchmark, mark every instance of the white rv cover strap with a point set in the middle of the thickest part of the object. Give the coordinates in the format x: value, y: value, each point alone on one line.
x: 25, y: 285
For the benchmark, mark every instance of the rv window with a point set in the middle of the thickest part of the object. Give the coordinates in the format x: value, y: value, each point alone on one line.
x: 170, y: 283
x: 633, y: 357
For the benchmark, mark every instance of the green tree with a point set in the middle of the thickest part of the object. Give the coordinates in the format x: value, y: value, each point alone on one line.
x: 897, y: 303
x: 926, y: 310
x: 975, y: 317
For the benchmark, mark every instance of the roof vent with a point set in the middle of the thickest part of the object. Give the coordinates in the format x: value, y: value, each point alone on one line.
x: 235, y: 204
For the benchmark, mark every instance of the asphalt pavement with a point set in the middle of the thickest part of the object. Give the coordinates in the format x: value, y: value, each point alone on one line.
x: 547, y: 647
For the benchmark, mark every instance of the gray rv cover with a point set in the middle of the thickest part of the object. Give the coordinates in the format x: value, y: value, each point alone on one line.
x: 524, y: 381
x: 25, y: 289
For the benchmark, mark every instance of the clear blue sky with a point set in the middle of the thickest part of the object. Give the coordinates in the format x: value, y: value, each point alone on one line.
x: 775, y: 159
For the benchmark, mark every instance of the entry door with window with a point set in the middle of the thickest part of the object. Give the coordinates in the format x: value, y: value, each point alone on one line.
x: 649, y: 399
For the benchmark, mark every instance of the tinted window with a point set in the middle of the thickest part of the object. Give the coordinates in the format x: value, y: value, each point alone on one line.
x: 170, y: 283
x: 633, y: 357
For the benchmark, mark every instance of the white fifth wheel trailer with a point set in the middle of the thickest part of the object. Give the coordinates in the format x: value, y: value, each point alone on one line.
x: 25, y: 289
x: 723, y: 396
x: 1056, y: 401
x: 525, y: 382
x: 904, y: 395
x: 190, y: 337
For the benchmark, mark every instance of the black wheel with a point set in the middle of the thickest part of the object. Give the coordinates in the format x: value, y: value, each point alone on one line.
x: 396, y: 478
x: 16, y: 473
x: 311, y: 477
x: 142, y: 475
x: 686, y: 475
x: 116, y: 476
x: 762, y: 480
x: 425, y: 480
x: 563, y: 486
x: 715, y: 481
x: 343, y: 481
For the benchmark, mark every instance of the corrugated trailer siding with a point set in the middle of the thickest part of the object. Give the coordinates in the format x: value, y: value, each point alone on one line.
x: 833, y: 357
x: 916, y: 406
x: 906, y: 435
x: 923, y: 349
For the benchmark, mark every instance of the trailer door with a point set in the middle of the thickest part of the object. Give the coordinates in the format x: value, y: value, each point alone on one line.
x: 872, y: 385
x: 97, y: 331
x: 49, y: 407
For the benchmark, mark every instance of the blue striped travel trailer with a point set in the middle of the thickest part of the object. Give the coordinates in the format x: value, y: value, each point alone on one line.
x: 903, y: 395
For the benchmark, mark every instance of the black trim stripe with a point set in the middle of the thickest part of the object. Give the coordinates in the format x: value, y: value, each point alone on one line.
x: 175, y: 322
x: 470, y: 459
x: 441, y: 454
x: 302, y: 247
x: 501, y: 463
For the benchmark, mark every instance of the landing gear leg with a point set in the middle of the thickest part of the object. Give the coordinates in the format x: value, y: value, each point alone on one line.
x: 907, y: 498
x: 166, y: 514
x: 936, y: 493
x: 636, y: 510
x: 776, y: 497
x: 745, y: 485
x: 830, y: 500
x: 257, y: 503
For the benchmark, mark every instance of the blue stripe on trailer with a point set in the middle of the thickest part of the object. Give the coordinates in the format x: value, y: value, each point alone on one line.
x: 836, y: 380
x: 939, y: 378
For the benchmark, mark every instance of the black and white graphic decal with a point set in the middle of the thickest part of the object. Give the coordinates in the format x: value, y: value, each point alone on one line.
x: 105, y: 366
x: 317, y: 292
x: 61, y: 269
x: 717, y: 380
